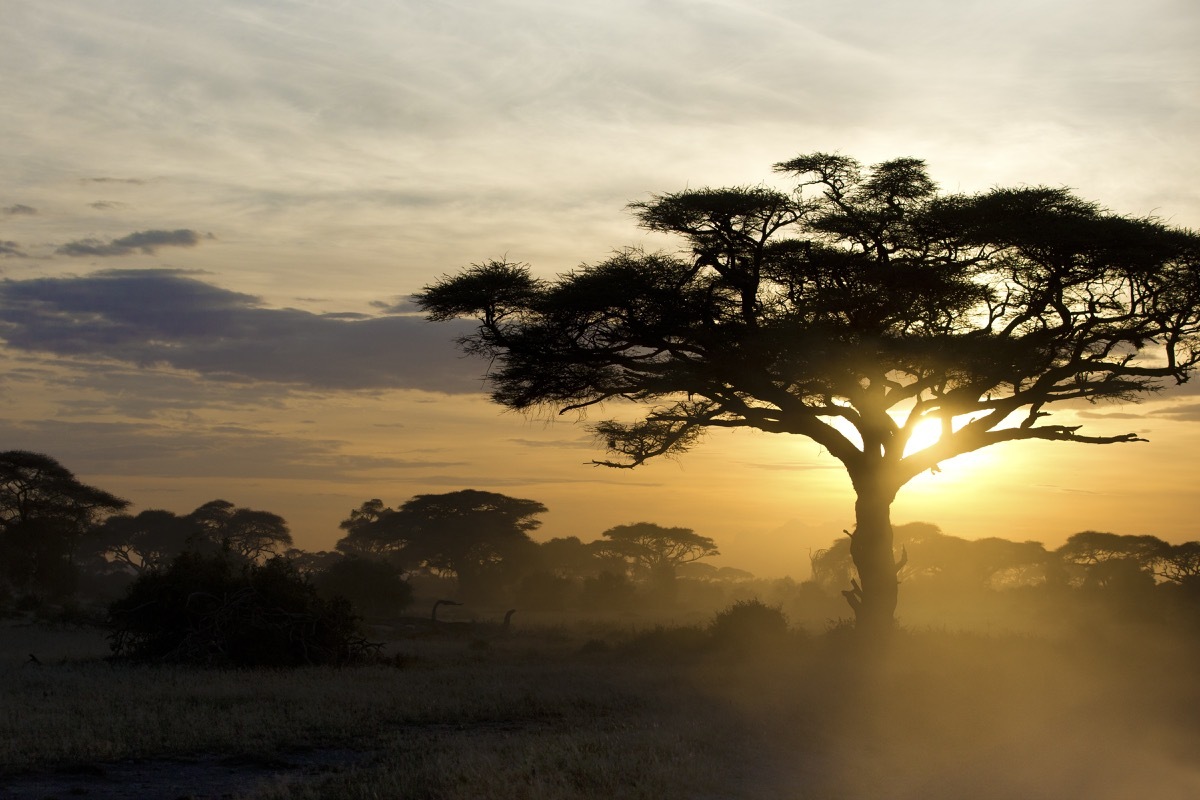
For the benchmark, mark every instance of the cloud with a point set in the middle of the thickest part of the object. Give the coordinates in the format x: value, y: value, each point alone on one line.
x: 146, y: 241
x: 232, y: 452
x: 11, y: 250
x: 106, y: 205
x: 132, y: 181
x: 20, y: 208
x: 167, y: 317
x: 1189, y: 412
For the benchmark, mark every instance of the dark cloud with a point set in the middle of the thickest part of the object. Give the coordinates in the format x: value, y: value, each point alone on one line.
x: 105, y: 205
x: 11, y: 250
x: 20, y: 208
x: 233, y: 452
x: 145, y: 241
x: 166, y: 317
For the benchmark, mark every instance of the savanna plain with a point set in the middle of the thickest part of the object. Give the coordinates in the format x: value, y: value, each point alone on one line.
x: 1101, y: 704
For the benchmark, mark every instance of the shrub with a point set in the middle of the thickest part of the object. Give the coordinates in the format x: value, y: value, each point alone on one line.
x: 208, y: 609
x: 748, y: 623
x: 374, y: 587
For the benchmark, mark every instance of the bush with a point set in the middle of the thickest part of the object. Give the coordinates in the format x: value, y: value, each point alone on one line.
x: 543, y: 591
x: 374, y: 587
x: 207, y: 609
x: 748, y: 623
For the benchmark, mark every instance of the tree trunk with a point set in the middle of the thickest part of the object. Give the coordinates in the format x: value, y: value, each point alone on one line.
x: 874, y: 597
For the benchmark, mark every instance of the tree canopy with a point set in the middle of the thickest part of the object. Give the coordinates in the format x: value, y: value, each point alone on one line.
x: 478, y: 536
x: 850, y: 311
x: 245, y: 532
x: 657, y: 549
x: 44, y: 513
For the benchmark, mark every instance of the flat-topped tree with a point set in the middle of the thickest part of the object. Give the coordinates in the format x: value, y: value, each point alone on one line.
x: 850, y: 311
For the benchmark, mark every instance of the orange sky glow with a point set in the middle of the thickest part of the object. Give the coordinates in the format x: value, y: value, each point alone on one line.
x: 212, y: 216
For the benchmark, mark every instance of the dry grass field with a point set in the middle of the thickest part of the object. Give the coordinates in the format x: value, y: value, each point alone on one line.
x: 607, y: 711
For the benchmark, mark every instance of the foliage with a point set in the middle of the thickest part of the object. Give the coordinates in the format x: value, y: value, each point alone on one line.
x: 45, y: 512
x: 545, y: 591
x: 864, y: 300
x: 149, y: 540
x: 607, y: 592
x: 215, y: 610
x: 480, y: 537
x: 748, y: 624
x: 375, y: 588
x: 245, y: 532
x: 656, y: 549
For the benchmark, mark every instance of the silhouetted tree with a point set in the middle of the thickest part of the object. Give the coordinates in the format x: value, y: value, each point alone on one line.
x: 247, y: 533
x: 1180, y: 563
x: 45, y: 511
x: 375, y: 587
x: 850, y: 311
x: 308, y: 563
x: 480, y: 537
x: 658, y: 550
x: 1112, y: 559
x: 149, y: 540
x: 569, y: 557
x: 374, y: 530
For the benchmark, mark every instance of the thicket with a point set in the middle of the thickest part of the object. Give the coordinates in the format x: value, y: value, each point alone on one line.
x: 214, y: 610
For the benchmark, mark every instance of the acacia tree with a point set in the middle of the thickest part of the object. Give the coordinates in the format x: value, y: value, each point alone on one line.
x: 850, y: 311
x: 149, y: 540
x: 480, y: 537
x: 374, y: 531
x: 246, y: 532
x: 657, y: 549
x: 45, y: 511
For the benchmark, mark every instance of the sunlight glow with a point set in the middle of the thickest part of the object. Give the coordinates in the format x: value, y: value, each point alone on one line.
x: 926, y: 433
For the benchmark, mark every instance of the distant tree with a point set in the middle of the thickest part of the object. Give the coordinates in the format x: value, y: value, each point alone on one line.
x: 309, y: 563
x: 570, y: 557
x: 1114, y: 560
x: 1180, y: 563
x: 247, y: 533
x: 373, y: 530
x: 149, y: 540
x: 545, y: 591
x: 375, y: 587
x: 607, y: 592
x: 853, y: 311
x: 45, y: 512
x: 931, y: 555
x: 657, y: 550
x: 480, y: 537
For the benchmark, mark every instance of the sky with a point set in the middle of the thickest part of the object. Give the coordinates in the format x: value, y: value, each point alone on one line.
x: 212, y: 216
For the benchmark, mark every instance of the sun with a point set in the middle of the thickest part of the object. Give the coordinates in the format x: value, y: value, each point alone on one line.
x: 926, y: 433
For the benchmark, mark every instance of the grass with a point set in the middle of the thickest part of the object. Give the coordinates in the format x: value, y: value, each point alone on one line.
x: 605, y: 712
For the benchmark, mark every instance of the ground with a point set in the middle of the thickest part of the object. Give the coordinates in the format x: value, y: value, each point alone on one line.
x: 615, y: 710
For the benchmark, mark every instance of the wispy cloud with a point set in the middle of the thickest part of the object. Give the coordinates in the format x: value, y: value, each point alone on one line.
x: 20, y: 208
x: 130, y: 181
x: 168, y: 317
x: 1189, y: 412
x: 146, y: 242
x: 149, y: 448
x: 11, y: 250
